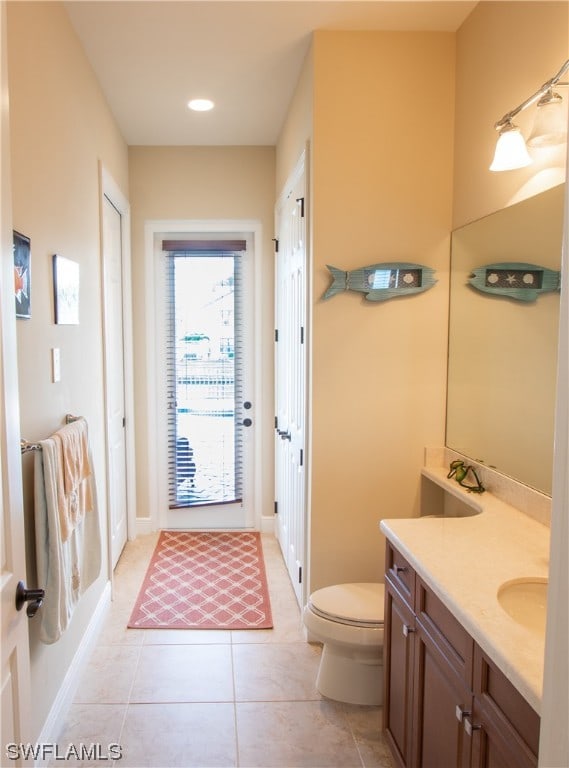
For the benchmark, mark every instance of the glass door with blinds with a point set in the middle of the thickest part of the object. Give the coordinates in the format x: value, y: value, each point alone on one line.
x: 207, y: 360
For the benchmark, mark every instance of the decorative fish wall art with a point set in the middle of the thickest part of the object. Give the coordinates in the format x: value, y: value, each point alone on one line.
x: 384, y: 281
x: 524, y: 282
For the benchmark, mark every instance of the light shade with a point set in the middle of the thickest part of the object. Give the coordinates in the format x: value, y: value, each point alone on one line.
x: 550, y: 123
x: 201, y: 105
x: 511, y: 151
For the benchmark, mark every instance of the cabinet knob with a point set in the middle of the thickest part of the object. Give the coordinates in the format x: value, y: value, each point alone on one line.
x: 401, y: 568
x: 469, y: 726
x: 407, y: 630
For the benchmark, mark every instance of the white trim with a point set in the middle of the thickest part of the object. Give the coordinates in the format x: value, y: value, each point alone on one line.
x: 267, y: 524
x: 299, y: 175
x: 111, y: 190
x: 66, y: 693
x: 145, y: 525
x: 157, y: 483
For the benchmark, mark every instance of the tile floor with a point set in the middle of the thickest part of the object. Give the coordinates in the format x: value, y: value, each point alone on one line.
x: 205, y: 698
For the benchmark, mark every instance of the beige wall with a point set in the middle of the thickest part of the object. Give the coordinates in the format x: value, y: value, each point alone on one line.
x: 505, y: 51
x: 391, y: 175
x: 297, y: 129
x: 60, y: 129
x: 381, y: 191
x: 186, y: 183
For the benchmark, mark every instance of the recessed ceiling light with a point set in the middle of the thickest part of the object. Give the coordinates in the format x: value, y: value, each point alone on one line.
x: 200, y: 105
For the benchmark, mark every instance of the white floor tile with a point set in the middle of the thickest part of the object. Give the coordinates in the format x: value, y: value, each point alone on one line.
x: 214, y: 699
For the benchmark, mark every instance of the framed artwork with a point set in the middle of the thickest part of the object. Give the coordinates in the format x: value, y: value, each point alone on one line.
x: 66, y: 290
x: 22, y: 275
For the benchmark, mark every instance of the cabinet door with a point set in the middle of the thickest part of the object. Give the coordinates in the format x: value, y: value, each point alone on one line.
x: 505, y: 727
x: 441, y: 702
x: 398, y: 674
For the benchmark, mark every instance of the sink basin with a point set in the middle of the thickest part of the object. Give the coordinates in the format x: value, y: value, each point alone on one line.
x: 525, y: 601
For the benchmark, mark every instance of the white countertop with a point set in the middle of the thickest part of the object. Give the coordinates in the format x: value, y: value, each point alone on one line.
x: 465, y: 560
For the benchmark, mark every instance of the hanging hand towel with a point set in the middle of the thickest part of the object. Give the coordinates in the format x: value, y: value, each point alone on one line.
x: 67, y: 565
x: 73, y: 478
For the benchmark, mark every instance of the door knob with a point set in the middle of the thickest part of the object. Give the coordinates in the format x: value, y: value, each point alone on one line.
x: 34, y: 598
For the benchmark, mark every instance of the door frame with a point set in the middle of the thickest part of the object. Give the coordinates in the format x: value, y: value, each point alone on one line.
x: 15, y: 652
x: 299, y: 173
x: 156, y: 456
x: 110, y: 189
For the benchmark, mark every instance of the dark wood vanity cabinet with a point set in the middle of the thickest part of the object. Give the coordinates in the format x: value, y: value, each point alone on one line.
x: 505, y: 729
x: 398, y: 658
x: 446, y: 705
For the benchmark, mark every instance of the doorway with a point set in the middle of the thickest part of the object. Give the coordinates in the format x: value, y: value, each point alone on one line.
x: 204, y: 374
x: 291, y: 372
x: 119, y: 410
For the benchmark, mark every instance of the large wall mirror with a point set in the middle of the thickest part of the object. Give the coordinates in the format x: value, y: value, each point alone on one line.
x: 502, y: 350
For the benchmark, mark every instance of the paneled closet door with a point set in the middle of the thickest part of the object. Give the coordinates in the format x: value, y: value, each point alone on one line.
x: 290, y: 377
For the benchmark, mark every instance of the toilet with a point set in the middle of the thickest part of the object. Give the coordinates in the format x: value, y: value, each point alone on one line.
x: 348, y: 620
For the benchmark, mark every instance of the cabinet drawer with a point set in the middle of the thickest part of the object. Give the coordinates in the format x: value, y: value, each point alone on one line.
x: 446, y: 632
x: 401, y: 574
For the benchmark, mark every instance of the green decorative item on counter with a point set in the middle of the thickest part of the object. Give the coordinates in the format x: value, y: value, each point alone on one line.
x: 460, y: 472
x: 380, y: 282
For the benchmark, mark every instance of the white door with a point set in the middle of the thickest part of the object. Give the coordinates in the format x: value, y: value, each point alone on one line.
x: 290, y: 378
x: 115, y: 381
x: 15, y: 675
x: 207, y: 341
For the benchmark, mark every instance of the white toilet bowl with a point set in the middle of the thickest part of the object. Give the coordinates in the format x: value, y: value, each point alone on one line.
x: 348, y: 620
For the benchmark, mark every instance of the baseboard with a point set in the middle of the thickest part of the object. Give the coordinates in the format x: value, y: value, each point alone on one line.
x: 267, y: 524
x: 71, y: 680
x: 145, y: 525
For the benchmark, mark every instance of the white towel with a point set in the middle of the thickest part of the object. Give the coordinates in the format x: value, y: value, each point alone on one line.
x: 66, y: 566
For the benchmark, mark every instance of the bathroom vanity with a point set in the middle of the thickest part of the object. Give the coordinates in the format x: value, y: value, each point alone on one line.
x: 464, y: 631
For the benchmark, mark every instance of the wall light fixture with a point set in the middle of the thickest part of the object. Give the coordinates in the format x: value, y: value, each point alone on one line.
x: 549, y: 127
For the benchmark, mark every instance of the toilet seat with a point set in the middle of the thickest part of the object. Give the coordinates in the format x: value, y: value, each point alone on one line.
x: 356, y: 605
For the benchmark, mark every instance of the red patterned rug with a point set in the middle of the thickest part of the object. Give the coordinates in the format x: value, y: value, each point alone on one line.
x: 204, y: 580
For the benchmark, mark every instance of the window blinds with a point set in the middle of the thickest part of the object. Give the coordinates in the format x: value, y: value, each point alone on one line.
x: 204, y: 370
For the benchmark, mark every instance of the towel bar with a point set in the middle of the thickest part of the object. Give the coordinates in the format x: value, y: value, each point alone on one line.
x: 26, y: 447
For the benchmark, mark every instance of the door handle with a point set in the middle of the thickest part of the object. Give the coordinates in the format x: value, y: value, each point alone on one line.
x: 469, y: 726
x: 34, y: 598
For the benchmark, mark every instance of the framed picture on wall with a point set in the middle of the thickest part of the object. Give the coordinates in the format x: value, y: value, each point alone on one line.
x: 22, y: 275
x: 66, y: 290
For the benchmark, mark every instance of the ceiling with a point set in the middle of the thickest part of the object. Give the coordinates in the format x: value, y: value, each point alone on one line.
x: 152, y: 56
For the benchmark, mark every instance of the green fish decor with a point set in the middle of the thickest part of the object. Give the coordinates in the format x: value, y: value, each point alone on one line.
x: 380, y: 282
x: 520, y: 281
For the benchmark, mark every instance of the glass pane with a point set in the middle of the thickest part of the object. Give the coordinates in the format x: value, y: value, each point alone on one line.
x: 206, y: 448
